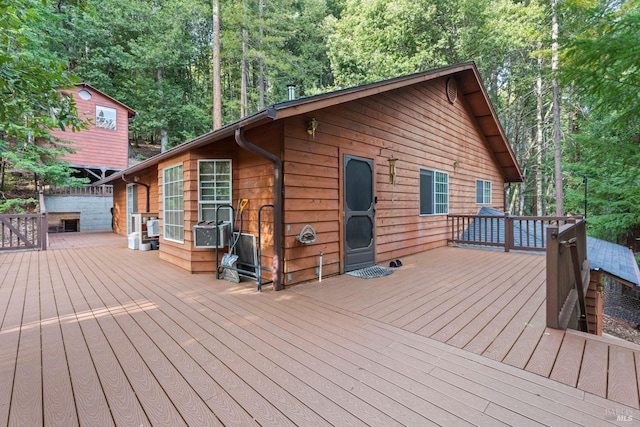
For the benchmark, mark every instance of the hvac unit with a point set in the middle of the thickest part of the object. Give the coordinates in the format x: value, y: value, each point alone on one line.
x: 206, y: 235
x: 153, y: 228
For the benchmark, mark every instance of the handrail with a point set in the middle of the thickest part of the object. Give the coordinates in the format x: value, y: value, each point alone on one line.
x: 87, y: 190
x: 567, y: 276
x: 525, y: 233
x: 19, y: 232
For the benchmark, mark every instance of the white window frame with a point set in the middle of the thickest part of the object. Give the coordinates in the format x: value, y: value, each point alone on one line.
x: 439, y: 193
x: 483, y: 195
x: 173, y: 190
x: 132, y: 202
x: 215, y: 184
x: 107, y: 121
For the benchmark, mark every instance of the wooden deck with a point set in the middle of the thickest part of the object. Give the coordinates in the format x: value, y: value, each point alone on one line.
x: 93, y: 334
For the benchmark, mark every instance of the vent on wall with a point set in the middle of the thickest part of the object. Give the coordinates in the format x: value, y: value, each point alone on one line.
x: 452, y: 90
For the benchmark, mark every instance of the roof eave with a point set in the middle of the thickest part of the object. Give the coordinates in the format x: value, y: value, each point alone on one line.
x: 257, y: 119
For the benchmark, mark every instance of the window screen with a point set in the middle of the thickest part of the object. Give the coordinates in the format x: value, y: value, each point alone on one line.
x: 214, y: 188
x: 434, y: 192
x: 483, y: 191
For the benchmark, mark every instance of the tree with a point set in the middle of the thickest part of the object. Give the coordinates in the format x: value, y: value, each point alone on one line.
x: 601, y: 65
x: 31, y: 104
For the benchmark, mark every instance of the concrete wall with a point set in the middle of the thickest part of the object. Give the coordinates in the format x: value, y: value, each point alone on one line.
x: 95, y: 212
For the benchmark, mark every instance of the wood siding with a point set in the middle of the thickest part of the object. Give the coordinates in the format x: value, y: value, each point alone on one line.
x: 252, y: 179
x: 417, y: 126
x: 98, y: 147
x: 148, y: 177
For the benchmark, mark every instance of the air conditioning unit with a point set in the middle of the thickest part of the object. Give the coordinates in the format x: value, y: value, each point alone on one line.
x: 207, y: 235
x: 153, y: 228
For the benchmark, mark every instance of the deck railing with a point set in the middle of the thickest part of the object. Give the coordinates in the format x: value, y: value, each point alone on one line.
x: 567, y: 276
x: 27, y: 231
x: 526, y: 233
x: 87, y: 190
x: 563, y: 238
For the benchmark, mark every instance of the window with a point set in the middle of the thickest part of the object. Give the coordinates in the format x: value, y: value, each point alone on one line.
x: 105, y: 117
x: 483, y: 192
x: 214, y: 188
x: 132, y: 204
x: 434, y: 192
x: 173, y: 201
x: 84, y: 94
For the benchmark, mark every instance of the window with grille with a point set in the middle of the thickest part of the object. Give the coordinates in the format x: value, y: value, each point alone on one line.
x: 434, y: 192
x: 214, y: 189
x: 173, y: 201
x: 483, y: 192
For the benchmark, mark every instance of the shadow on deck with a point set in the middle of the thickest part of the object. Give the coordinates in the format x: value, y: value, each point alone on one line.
x: 95, y: 334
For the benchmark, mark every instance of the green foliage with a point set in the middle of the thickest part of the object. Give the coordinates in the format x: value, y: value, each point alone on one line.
x: 155, y: 56
x: 602, y: 61
x: 17, y: 206
x: 609, y: 157
x: 602, y: 66
x: 30, y: 104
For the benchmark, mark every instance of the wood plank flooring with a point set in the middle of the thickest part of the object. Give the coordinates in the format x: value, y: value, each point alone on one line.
x: 489, y: 303
x: 92, y: 333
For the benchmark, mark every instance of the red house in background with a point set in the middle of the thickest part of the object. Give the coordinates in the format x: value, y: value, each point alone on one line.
x: 104, y: 147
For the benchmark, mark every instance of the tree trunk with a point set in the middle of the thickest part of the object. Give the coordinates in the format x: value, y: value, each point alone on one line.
x: 539, y: 145
x: 217, y: 85
x: 244, y: 75
x: 261, y: 78
x: 2, y: 169
x: 164, y: 136
x: 557, y: 152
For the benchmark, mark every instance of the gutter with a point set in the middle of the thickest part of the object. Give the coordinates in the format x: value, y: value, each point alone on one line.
x: 277, y: 203
x: 257, y: 119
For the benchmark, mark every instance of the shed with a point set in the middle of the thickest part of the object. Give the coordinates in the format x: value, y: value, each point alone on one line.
x: 373, y: 170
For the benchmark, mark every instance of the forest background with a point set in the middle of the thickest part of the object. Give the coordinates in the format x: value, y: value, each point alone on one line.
x: 563, y: 76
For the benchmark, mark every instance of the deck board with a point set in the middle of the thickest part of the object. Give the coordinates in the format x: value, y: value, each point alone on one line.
x: 58, y: 404
x: 622, y: 366
x: 493, y: 321
x: 470, y: 320
x: 27, y: 389
x: 118, y: 337
x: 593, y: 373
x: 121, y: 400
x: 544, y: 356
x: 569, y: 360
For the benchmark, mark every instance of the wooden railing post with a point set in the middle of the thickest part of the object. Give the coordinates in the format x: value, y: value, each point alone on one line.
x: 553, y: 255
x: 508, y: 232
x: 577, y: 272
x: 43, y: 224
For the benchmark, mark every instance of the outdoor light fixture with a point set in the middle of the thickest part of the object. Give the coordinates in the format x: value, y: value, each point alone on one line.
x: 311, y: 128
x: 392, y: 169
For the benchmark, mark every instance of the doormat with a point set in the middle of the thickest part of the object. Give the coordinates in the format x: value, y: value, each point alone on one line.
x: 372, y: 272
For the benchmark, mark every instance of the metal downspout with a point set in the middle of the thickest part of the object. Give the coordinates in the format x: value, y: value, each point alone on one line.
x: 139, y: 183
x: 277, y: 203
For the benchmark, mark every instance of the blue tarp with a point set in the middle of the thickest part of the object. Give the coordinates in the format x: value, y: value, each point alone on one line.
x: 615, y: 260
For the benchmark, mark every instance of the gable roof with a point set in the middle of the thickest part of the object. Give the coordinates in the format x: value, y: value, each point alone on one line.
x: 130, y: 111
x: 468, y: 83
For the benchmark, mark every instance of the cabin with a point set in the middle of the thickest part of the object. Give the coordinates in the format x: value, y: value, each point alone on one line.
x: 329, y: 183
x: 103, y: 148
